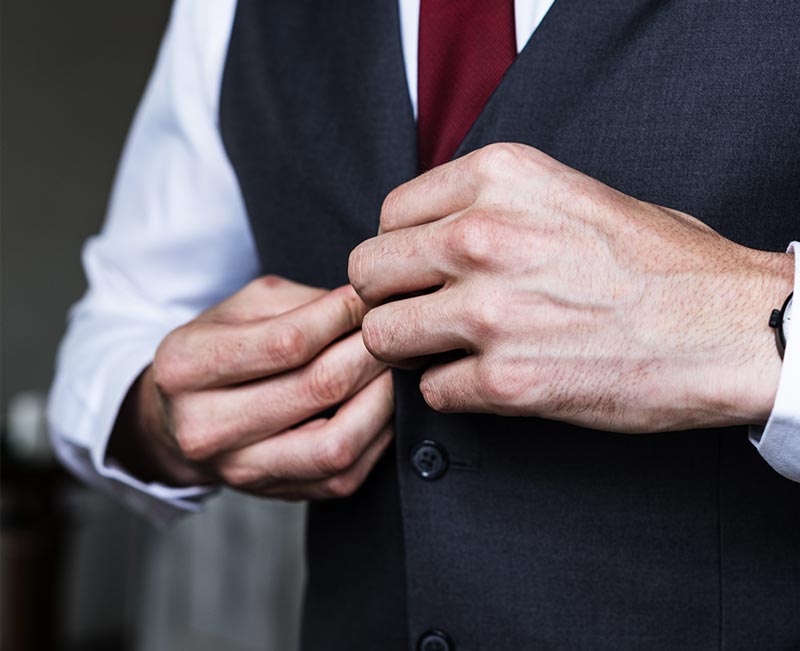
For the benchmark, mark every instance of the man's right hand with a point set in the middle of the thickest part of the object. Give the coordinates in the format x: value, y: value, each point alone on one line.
x: 236, y: 396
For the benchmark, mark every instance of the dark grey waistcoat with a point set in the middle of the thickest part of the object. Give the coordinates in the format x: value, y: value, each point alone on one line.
x: 539, y: 535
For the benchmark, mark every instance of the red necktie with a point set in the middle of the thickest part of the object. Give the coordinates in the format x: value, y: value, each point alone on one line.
x: 465, y: 48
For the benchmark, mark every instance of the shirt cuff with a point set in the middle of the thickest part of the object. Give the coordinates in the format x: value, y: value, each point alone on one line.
x: 779, y: 441
x: 81, y: 421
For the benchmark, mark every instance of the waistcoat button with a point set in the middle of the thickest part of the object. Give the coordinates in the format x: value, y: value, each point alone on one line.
x: 429, y: 460
x: 434, y: 640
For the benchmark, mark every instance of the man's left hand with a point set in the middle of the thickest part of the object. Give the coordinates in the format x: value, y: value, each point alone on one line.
x: 571, y: 300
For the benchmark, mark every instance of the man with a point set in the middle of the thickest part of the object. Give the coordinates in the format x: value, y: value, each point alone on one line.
x: 505, y: 282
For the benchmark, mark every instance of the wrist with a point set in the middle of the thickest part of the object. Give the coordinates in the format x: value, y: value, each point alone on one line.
x: 757, y: 363
x: 140, y: 441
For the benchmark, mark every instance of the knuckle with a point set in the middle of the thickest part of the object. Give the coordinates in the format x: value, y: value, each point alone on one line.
x: 236, y: 475
x: 194, y: 444
x: 359, y: 267
x: 433, y: 395
x: 335, y: 454
x: 496, y: 159
x: 470, y: 238
x: 486, y: 318
x: 372, y: 334
x: 170, y: 365
x: 262, y: 288
x: 196, y: 438
x: 391, y: 210
x: 499, y: 387
x: 268, y: 282
x: 327, y: 384
x: 288, y: 346
x: 340, y: 486
x: 355, y: 271
x: 352, y: 306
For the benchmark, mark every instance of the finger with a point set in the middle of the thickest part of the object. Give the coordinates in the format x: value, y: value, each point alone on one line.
x: 240, y: 416
x: 454, y: 387
x: 341, y: 485
x: 216, y: 354
x: 398, y: 263
x: 262, y: 298
x: 442, y: 191
x: 315, y: 451
x: 414, y: 327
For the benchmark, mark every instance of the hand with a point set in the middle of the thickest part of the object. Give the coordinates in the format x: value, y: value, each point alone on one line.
x: 573, y: 301
x: 235, y: 395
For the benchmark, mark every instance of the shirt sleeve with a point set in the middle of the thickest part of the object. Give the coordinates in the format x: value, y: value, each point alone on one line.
x: 779, y: 441
x: 175, y: 240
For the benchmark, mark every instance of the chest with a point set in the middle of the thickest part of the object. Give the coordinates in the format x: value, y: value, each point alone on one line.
x: 686, y: 104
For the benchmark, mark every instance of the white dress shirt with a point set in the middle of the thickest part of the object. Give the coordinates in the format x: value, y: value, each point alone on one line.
x: 177, y: 240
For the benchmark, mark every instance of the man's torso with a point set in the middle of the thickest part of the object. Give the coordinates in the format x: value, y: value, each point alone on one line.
x: 539, y: 535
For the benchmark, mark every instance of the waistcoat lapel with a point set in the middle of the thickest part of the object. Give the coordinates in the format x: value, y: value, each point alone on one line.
x: 563, y: 58
x: 318, y: 123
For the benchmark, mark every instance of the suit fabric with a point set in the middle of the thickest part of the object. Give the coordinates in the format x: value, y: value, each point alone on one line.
x: 539, y: 535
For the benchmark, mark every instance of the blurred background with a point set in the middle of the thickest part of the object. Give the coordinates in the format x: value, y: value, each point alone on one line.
x: 78, y: 571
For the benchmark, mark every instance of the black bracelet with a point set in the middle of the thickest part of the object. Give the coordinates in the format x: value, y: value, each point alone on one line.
x: 776, y: 322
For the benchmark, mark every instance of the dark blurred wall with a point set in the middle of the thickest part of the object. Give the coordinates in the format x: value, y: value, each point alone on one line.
x: 71, y: 76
